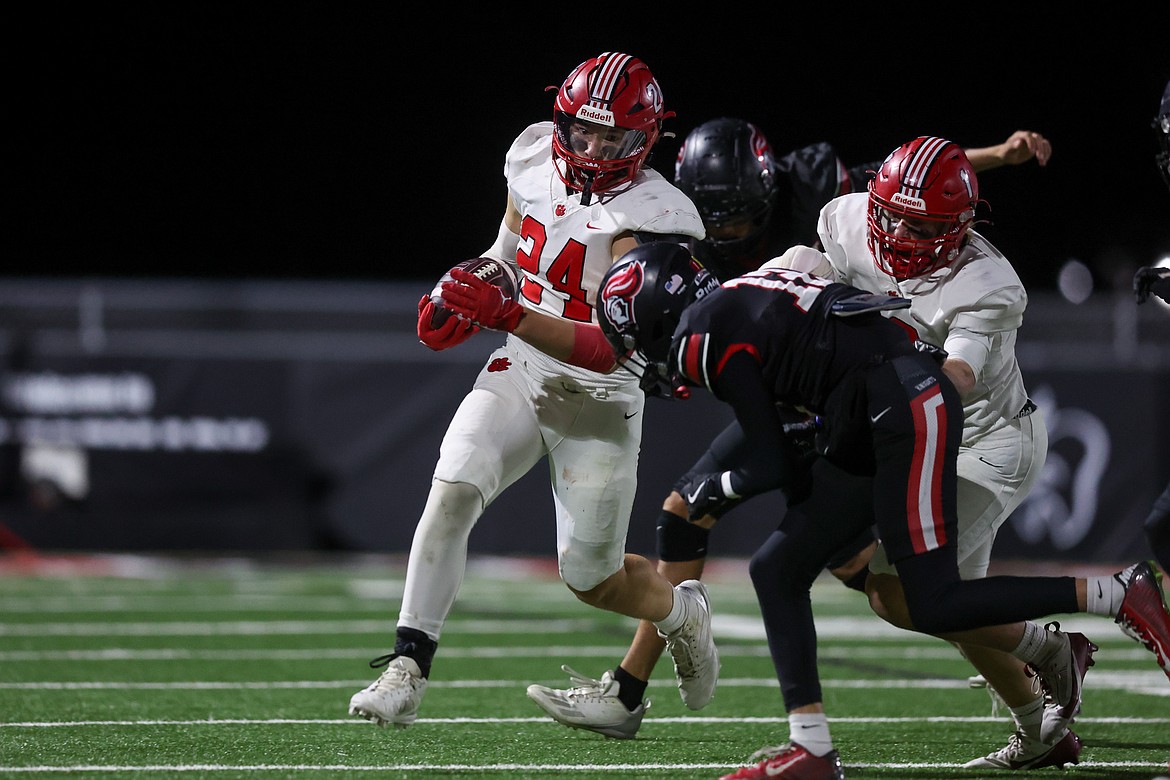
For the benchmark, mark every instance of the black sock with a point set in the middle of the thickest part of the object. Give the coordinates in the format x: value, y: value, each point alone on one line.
x: 632, y: 689
x: 413, y: 643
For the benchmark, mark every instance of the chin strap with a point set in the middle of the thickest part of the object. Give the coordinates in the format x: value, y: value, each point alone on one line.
x: 587, y: 190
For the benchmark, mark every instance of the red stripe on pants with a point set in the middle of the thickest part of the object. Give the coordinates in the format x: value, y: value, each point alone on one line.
x: 924, y: 514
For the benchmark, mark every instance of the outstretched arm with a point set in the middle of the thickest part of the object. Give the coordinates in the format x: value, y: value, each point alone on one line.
x: 1019, y: 147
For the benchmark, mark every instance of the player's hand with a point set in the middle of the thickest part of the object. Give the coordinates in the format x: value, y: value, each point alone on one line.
x: 454, y: 330
x: 937, y: 353
x: 1023, y: 145
x: 704, y: 495
x: 804, y: 433
x: 481, y: 302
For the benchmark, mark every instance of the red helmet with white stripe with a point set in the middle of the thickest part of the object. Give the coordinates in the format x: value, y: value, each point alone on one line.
x: 607, y: 117
x: 921, y: 204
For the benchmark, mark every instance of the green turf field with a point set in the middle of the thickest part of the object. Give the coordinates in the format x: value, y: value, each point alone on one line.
x: 128, y: 667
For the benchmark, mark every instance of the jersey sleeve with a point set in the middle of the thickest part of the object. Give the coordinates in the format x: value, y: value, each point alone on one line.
x: 663, y: 208
x: 816, y: 175
x: 836, y: 235
x: 532, y: 143
x: 805, y: 259
x: 770, y: 458
x: 976, y: 321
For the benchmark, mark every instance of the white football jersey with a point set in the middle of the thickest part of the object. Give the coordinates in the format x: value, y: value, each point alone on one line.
x: 564, y: 246
x: 971, y: 308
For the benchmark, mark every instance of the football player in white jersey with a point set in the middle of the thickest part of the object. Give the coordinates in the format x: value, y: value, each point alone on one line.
x: 579, y: 196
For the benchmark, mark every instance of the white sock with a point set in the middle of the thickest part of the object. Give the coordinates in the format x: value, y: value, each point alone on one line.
x: 1038, y: 645
x: 810, y: 730
x: 1105, y: 594
x: 675, y: 618
x: 1029, y: 716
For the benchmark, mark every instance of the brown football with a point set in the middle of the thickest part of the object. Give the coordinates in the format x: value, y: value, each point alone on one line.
x: 492, y: 271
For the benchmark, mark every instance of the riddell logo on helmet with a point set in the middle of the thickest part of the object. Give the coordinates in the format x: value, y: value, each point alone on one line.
x: 909, y: 202
x: 598, y: 115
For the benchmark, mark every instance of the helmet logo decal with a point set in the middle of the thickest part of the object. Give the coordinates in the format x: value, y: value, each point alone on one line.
x: 967, y: 182
x: 759, y: 145
x: 599, y: 115
x: 654, y: 94
x: 908, y: 201
x: 604, y: 82
x: 674, y: 284
x: 618, y: 294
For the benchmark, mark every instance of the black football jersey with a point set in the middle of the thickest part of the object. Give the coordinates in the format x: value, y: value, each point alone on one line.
x: 784, y: 319
x: 776, y: 336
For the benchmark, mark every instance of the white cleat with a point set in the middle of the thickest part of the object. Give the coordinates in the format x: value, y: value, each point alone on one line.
x: 696, y: 659
x: 590, y: 704
x: 1022, y: 753
x: 394, y: 697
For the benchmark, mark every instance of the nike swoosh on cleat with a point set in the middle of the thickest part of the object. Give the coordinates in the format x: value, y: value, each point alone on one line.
x: 779, y: 769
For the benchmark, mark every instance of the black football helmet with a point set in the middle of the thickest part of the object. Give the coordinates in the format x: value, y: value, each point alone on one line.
x: 1162, y: 132
x: 642, y: 299
x: 726, y: 167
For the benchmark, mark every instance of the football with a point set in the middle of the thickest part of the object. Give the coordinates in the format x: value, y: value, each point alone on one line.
x: 492, y: 271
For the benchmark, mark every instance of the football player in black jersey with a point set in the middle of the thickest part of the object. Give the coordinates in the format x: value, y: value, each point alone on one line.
x: 776, y: 337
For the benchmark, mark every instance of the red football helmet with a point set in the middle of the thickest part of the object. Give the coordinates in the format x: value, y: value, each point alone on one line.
x: 927, y: 188
x: 607, y: 117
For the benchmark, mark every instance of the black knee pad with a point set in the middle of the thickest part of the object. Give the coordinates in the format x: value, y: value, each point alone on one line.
x: 680, y: 540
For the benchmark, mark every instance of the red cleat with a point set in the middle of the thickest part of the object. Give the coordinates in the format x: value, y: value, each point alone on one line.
x: 1143, y: 615
x: 791, y: 762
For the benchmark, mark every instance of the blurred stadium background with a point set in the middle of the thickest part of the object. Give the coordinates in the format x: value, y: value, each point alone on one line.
x: 263, y: 415
x: 225, y: 215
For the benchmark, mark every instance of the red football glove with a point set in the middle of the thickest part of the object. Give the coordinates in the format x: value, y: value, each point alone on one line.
x: 481, y: 302
x: 453, y: 331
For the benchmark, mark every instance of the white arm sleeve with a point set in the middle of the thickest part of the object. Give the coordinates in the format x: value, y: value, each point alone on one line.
x: 803, y: 258
x: 980, y: 327
x: 970, y: 347
x: 504, y: 249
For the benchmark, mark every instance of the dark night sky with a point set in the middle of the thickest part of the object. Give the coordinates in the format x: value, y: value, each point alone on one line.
x: 339, y: 141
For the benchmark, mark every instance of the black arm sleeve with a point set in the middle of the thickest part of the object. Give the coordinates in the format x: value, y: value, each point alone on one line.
x: 723, y: 453
x: 770, y: 459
